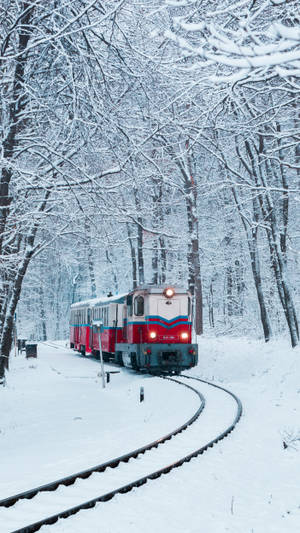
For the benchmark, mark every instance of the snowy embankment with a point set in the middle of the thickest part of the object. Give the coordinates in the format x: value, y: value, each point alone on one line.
x: 55, y: 419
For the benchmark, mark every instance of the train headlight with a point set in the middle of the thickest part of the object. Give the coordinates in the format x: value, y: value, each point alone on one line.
x: 184, y: 336
x: 169, y: 292
x: 152, y: 334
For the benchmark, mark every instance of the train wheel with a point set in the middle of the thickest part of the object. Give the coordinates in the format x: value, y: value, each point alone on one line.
x: 133, y: 360
x: 119, y: 358
x: 82, y: 350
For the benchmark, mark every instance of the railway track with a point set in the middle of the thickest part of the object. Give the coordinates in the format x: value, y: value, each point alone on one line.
x: 56, y: 346
x: 118, y: 472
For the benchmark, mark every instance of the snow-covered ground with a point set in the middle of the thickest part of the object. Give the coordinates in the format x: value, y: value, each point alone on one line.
x: 55, y: 419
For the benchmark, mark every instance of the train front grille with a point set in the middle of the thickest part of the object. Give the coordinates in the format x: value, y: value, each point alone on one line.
x: 170, y: 358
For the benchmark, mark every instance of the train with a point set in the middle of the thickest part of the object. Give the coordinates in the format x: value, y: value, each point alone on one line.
x: 148, y: 329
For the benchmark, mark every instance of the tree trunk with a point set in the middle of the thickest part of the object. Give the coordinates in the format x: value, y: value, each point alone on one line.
x: 155, y: 263
x: 252, y: 235
x: 42, y: 314
x: 16, y: 111
x: 7, y: 334
x: 211, y: 306
x: 92, y: 272
x: 194, y: 275
x: 140, y: 256
x: 90, y: 259
x: 277, y: 259
x: 113, y: 271
x: 229, y: 290
x: 163, y: 260
x: 133, y: 257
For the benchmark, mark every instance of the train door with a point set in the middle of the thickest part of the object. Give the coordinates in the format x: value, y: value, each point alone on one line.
x: 113, y: 321
x: 76, y: 333
x: 89, y: 331
x: 125, y: 324
x: 92, y: 334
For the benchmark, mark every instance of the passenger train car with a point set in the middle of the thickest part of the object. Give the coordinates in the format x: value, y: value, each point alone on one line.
x: 148, y: 329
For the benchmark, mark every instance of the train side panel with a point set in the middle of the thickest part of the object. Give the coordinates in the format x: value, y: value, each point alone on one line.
x: 147, y: 329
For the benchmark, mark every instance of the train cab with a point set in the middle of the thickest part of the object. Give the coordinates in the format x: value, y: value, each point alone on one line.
x: 157, y: 330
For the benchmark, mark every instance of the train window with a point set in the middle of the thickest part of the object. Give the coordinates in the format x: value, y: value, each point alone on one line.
x: 129, y: 304
x: 139, y: 306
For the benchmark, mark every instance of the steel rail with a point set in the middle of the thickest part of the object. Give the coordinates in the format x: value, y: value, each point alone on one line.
x: 154, y: 475
x: 52, y: 345
x: 112, y: 463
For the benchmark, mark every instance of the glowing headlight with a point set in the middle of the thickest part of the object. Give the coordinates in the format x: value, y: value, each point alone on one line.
x: 169, y: 292
x: 184, y: 335
x: 152, y: 334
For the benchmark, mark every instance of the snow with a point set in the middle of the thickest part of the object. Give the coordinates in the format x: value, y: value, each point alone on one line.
x: 102, y: 300
x: 56, y: 419
x: 247, y: 483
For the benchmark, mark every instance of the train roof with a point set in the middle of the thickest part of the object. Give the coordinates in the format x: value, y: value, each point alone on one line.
x: 117, y: 298
x: 158, y: 289
x: 120, y: 298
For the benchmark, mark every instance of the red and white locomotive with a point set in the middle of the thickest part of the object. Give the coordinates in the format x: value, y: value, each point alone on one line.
x: 148, y: 329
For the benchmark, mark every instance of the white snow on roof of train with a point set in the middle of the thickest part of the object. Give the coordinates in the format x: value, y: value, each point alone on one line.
x: 101, y: 300
x: 117, y: 297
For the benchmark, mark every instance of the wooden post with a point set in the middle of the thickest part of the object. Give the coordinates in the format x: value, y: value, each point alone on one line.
x: 142, y: 395
x: 99, y: 327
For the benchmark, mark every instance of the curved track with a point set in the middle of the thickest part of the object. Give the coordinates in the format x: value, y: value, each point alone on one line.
x: 125, y: 458
x: 113, y: 463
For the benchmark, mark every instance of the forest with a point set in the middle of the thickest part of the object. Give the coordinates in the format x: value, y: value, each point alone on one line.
x: 150, y: 142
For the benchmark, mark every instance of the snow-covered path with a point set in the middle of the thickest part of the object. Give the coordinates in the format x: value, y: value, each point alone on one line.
x: 219, y: 413
x: 56, y: 419
x: 248, y: 483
